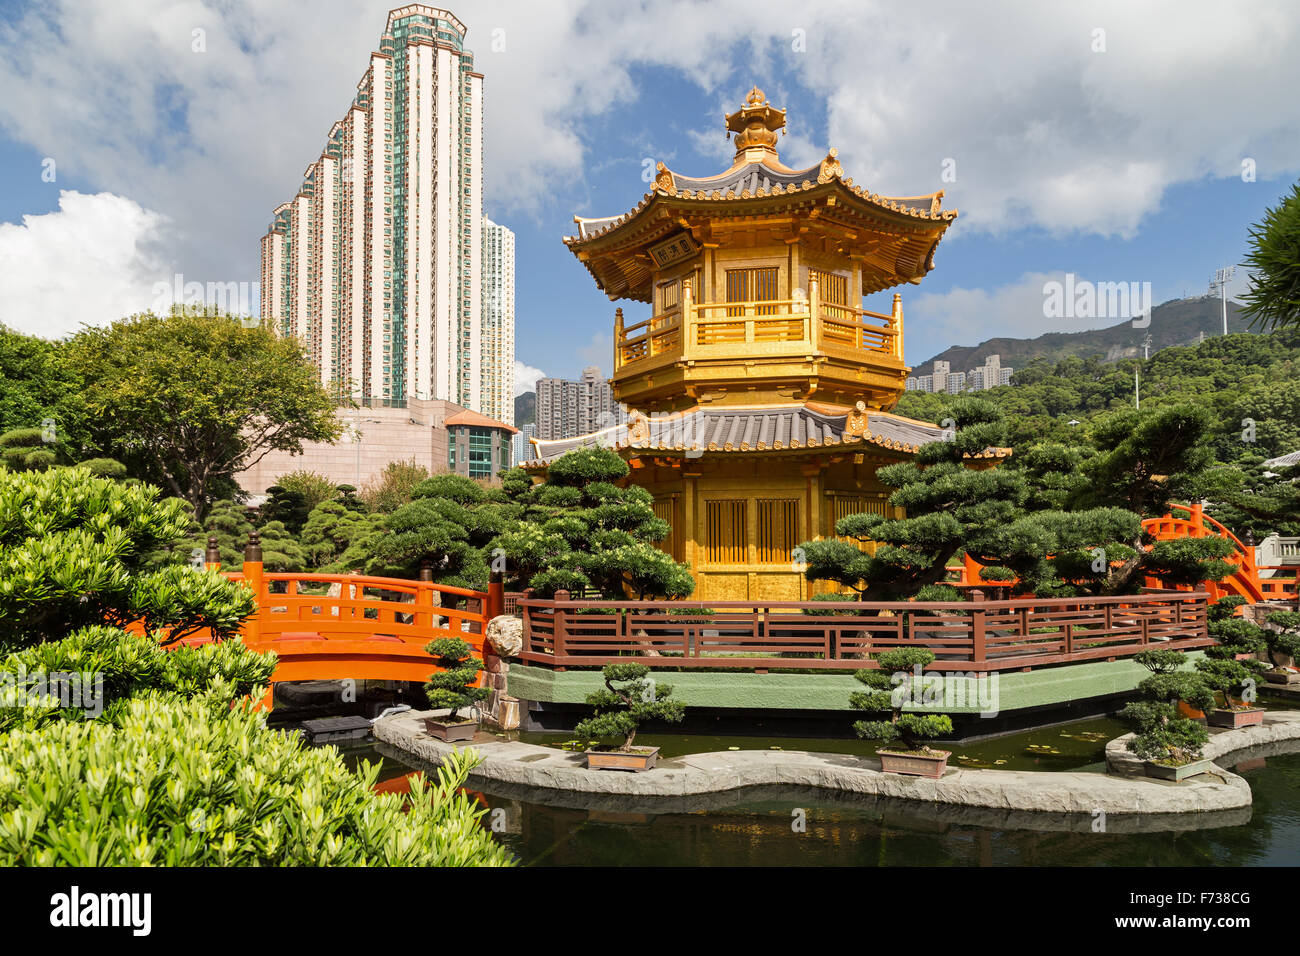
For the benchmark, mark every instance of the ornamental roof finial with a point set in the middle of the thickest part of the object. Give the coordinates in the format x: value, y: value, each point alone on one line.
x: 755, y: 125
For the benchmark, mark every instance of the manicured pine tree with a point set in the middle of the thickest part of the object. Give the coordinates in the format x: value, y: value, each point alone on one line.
x: 452, y: 685
x: 629, y: 698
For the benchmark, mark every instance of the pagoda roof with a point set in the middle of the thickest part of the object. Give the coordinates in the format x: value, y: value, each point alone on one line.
x: 896, y: 235
x: 747, y: 181
x: 728, y: 429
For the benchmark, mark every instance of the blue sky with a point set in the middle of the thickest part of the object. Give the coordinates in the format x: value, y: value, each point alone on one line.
x: 1103, y: 139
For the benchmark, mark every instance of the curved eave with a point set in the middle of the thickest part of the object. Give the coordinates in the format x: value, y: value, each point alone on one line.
x: 925, y: 208
x: 700, y: 431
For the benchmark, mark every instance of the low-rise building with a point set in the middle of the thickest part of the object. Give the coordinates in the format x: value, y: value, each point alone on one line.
x: 441, y: 436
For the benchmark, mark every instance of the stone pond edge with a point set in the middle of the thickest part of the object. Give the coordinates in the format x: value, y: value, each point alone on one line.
x: 1121, y: 791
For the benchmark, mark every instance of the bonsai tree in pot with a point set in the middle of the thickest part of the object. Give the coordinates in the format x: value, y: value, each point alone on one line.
x: 1235, y: 682
x: 1238, y: 638
x: 629, y: 697
x: 1185, y: 690
x: 1169, y: 742
x: 887, y: 693
x: 1283, y: 638
x: 453, y: 687
x: 1170, y: 745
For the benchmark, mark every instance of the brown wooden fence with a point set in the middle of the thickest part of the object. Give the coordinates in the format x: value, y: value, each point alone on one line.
x: 964, y: 635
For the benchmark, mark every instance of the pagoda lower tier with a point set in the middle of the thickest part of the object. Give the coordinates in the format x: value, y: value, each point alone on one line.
x: 742, y: 487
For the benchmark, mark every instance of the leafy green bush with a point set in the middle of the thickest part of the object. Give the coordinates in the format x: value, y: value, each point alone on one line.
x: 621, y: 709
x: 175, y: 785
x: 581, y: 531
x: 72, y: 552
x: 312, y: 486
x: 911, y: 728
x: 1161, y: 736
x: 452, y: 687
x: 393, y: 487
x: 127, y: 665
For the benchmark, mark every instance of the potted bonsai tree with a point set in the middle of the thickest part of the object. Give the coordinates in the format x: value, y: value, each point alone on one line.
x: 1283, y: 637
x: 1164, y: 737
x: 629, y: 697
x: 912, y: 756
x: 1238, y: 638
x: 1170, y: 684
x: 1234, y: 682
x: 1170, y: 745
x: 453, y: 687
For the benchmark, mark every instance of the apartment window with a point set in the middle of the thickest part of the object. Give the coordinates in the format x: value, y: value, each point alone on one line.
x: 752, y: 285
x: 726, y: 526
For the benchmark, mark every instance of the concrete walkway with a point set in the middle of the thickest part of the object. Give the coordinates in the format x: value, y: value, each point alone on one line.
x: 1121, y: 792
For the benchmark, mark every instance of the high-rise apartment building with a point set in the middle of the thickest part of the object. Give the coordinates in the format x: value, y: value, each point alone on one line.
x: 521, y: 448
x: 567, y: 409
x: 498, y: 333
x: 376, y: 263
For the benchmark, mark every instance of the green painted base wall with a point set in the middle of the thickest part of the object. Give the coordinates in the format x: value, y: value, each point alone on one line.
x: 776, y: 691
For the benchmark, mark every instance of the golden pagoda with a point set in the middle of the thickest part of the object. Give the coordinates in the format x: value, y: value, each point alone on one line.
x: 759, y: 388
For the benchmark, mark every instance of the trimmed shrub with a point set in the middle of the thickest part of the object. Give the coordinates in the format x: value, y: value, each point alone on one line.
x: 620, y: 710
x: 911, y: 728
x: 174, y: 785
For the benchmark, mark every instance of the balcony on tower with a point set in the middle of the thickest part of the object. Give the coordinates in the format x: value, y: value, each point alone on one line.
x: 755, y: 280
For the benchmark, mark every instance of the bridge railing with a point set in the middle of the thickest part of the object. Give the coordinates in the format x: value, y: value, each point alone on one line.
x: 324, y: 626
x: 964, y: 635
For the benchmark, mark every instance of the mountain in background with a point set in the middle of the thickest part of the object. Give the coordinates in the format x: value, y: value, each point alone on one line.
x: 1177, y: 322
x: 525, y: 409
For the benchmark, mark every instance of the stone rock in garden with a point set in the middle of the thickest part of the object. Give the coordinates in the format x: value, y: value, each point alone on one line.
x: 646, y: 651
x: 505, y: 633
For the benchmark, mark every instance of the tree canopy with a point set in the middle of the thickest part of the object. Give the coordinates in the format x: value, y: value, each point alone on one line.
x: 190, y: 399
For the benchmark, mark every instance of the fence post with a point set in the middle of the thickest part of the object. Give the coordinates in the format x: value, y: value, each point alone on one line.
x: 212, y: 556
x: 561, y: 621
x: 496, y: 596
x: 527, y: 614
x: 253, y: 578
x: 978, y: 654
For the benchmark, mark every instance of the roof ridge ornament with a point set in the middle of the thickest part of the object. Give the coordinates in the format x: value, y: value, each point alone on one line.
x: 756, y: 125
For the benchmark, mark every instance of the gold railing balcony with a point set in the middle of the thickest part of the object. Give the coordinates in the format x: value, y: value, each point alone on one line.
x: 770, y: 327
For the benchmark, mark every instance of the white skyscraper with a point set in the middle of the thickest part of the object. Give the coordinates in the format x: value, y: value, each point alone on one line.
x: 498, y: 333
x: 376, y: 263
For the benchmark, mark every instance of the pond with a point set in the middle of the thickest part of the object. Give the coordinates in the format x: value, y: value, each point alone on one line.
x: 792, y: 827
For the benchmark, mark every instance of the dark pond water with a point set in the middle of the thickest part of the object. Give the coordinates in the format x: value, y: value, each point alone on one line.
x: 789, y: 827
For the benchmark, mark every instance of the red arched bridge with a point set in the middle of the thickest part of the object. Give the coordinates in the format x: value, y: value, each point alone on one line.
x: 336, y: 626
x: 1248, y: 579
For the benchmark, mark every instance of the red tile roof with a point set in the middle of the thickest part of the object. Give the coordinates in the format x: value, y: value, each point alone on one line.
x: 468, y: 417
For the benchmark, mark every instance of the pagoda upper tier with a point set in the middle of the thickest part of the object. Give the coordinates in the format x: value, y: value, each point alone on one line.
x: 755, y: 277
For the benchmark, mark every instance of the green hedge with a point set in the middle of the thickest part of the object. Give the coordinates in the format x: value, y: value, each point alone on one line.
x: 176, y: 784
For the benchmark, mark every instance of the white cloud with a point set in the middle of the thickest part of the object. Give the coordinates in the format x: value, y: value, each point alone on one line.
x: 94, y: 260
x: 526, y: 378
x: 599, y: 351
x: 934, y: 321
x: 1045, y: 132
